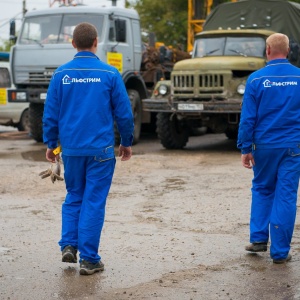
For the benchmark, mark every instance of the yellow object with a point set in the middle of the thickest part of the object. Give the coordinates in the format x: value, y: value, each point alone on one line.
x: 57, y: 150
x: 116, y: 60
x: 3, y: 97
x: 196, y: 25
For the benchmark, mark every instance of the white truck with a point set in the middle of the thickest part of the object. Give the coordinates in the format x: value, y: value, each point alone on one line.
x: 44, y: 43
x: 11, y: 114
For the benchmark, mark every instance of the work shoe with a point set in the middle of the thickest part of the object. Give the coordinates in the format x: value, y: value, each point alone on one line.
x: 257, y: 247
x: 88, y: 268
x: 69, y: 254
x: 283, y: 260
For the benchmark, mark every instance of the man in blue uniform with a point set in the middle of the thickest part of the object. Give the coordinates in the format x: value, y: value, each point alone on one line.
x: 269, y: 139
x: 84, y: 98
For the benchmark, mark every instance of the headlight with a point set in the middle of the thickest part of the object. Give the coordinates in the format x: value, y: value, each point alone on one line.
x: 241, y: 89
x: 163, y: 90
x: 16, y: 96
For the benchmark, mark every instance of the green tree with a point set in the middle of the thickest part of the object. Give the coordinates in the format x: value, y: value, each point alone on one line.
x: 6, y: 45
x: 166, y: 19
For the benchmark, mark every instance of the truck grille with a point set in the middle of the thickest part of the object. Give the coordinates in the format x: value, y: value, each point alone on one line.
x: 198, y: 85
x: 41, y: 77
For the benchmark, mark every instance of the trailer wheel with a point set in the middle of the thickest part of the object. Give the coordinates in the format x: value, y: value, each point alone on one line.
x: 173, y: 133
x: 35, y: 119
x: 136, y: 107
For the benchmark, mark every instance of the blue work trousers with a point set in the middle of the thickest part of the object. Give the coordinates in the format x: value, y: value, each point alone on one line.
x: 274, y: 198
x: 88, y: 180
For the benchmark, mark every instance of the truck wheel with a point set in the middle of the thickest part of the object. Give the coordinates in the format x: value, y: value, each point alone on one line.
x: 173, y: 133
x: 24, y: 124
x: 231, y: 134
x: 35, y: 119
x: 136, y: 107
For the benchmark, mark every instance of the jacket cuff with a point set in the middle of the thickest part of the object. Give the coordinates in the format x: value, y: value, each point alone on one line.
x: 52, y: 145
x: 127, y: 142
x: 246, y: 150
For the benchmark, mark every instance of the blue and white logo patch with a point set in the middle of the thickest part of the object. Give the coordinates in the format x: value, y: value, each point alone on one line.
x: 267, y: 83
x: 68, y: 80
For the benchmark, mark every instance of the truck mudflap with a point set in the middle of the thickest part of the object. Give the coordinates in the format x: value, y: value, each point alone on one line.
x: 192, y: 108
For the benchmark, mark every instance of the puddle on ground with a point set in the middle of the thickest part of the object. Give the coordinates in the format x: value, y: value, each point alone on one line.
x: 3, y: 250
x: 38, y: 155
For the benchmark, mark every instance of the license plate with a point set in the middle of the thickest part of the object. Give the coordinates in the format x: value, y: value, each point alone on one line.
x: 190, y: 106
x: 43, y: 96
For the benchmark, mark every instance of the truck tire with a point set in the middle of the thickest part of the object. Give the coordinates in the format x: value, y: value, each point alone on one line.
x: 36, y: 121
x: 173, y: 133
x: 136, y: 107
x: 24, y: 124
x: 231, y: 134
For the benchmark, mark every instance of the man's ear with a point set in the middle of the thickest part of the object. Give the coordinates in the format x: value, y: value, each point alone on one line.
x: 268, y: 50
x: 73, y: 44
x: 95, y: 44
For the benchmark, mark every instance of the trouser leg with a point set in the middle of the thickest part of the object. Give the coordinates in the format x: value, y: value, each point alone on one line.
x: 74, y: 174
x: 285, y: 205
x: 263, y: 191
x: 98, y: 181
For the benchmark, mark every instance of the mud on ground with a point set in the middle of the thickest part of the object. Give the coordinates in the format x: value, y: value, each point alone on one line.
x: 176, y: 226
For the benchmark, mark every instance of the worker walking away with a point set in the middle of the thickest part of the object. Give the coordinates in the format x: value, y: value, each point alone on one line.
x: 85, y: 97
x: 269, y: 139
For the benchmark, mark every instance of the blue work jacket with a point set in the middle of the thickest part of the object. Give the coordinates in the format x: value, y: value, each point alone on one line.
x: 84, y: 98
x: 270, y: 116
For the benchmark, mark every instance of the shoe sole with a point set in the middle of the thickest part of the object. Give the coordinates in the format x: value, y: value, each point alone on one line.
x: 282, y: 261
x: 69, y: 258
x: 258, y: 250
x: 90, y: 272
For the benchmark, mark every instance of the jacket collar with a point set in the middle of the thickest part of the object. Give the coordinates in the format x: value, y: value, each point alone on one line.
x: 278, y: 61
x: 85, y: 54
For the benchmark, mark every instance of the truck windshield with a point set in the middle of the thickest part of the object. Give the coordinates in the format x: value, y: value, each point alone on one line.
x: 56, y: 29
x: 4, y: 78
x: 229, y: 46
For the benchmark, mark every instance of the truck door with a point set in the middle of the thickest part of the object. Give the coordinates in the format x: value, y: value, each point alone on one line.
x: 121, y: 42
x: 137, y: 44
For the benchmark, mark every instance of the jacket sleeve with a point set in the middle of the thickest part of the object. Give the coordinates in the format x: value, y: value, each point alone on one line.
x: 248, y: 119
x: 122, y: 111
x: 51, y: 116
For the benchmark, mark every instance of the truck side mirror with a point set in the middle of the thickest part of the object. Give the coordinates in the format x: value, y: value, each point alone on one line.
x: 12, y: 31
x: 12, y: 28
x: 120, y: 30
x: 294, y: 52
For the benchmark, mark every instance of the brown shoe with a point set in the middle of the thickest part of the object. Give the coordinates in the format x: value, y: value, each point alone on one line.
x: 283, y: 260
x: 257, y: 247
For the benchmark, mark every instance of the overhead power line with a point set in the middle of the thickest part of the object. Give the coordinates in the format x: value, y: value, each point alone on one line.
x: 8, y: 21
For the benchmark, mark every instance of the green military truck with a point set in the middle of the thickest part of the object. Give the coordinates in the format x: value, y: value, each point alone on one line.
x: 207, y: 90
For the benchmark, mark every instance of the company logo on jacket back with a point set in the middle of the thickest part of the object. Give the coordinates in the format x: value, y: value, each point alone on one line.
x: 267, y: 83
x: 68, y: 80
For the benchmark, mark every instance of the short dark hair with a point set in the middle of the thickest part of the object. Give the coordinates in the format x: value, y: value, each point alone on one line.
x: 84, y: 35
